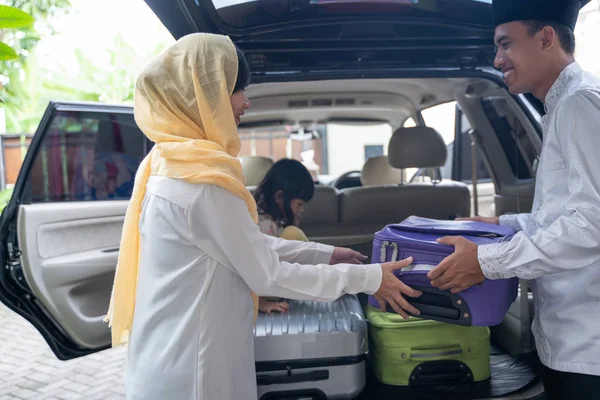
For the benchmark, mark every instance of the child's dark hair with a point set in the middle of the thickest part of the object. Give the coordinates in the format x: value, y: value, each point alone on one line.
x: 243, y: 76
x: 295, y: 182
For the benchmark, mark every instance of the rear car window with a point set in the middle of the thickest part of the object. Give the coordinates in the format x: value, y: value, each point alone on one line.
x: 326, y: 150
x: 442, y: 119
x: 449, y: 120
x: 284, y: 141
x: 463, y: 170
x: 87, y: 156
x: 512, y: 135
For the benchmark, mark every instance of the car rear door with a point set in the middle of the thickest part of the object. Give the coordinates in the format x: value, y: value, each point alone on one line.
x: 282, y: 38
x: 61, y: 230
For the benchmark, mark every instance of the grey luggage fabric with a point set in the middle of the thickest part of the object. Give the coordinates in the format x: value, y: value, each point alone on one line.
x: 315, y: 350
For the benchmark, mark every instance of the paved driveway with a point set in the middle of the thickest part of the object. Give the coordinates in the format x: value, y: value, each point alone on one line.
x: 29, y: 369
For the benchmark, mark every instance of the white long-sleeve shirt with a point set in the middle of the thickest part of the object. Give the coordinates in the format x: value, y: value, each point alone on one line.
x: 558, y: 244
x: 201, y: 254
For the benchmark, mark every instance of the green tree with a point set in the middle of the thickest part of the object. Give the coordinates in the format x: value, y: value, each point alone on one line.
x: 112, y: 81
x: 10, y: 18
x: 14, y: 72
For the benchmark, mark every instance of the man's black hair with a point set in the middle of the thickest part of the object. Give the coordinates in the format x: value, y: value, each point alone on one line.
x: 565, y: 35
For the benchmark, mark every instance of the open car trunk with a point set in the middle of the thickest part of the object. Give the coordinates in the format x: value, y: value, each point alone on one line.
x: 291, y: 36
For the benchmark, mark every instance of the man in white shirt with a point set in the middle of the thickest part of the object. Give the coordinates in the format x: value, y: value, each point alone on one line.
x: 558, y: 244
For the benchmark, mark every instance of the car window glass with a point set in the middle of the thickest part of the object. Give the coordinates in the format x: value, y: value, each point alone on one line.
x: 87, y: 156
x: 512, y: 136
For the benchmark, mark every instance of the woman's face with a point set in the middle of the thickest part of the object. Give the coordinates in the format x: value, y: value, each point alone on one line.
x: 239, y: 103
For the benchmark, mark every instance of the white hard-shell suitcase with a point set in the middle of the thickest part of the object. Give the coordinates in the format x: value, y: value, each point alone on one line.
x: 314, y: 351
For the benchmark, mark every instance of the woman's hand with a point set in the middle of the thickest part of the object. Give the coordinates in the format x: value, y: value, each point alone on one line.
x: 268, y: 306
x: 392, y: 289
x: 342, y: 255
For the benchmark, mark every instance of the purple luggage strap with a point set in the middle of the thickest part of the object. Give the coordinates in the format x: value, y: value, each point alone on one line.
x: 472, y: 229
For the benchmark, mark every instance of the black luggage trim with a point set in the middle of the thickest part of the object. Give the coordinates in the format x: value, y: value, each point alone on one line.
x: 441, y: 373
x: 315, y: 394
x: 313, y: 376
x: 440, y: 305
x: 285, y: 365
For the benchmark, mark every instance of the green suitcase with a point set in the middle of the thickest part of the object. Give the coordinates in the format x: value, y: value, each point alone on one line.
x: 418, y: 352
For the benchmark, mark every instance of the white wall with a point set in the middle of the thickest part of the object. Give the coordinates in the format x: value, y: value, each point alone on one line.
x: 587, y: 32
x: 346, y: 145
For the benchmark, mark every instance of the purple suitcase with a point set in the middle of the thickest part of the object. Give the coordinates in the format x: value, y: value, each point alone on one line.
x: 480, y: 305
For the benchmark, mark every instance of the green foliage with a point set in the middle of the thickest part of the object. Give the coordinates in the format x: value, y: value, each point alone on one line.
x: 21, y: 37
x: 30, y: 81
x: 5, y: 196
x: 11, y: 17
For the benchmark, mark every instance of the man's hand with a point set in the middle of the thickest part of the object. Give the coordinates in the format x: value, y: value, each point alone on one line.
x: 489, y: 220
x: 342, y: 255
x: 268, y: 307
x: 391, y: 289
x: 460, y: 270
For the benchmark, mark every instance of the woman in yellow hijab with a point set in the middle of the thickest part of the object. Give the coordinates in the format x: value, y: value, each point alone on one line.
x: 191, y: 251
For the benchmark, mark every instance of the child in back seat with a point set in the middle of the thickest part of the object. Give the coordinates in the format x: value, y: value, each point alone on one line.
x: 281, y: 199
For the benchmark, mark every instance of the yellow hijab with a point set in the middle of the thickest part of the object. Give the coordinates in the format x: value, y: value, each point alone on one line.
x: 182, y: 103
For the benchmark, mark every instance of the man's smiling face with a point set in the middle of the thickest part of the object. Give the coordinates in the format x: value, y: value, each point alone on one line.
x: 520, y: 56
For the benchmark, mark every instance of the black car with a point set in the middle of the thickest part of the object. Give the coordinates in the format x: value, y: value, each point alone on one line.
x: 314, y: 62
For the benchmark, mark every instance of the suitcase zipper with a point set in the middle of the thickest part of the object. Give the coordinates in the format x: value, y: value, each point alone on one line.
x: 446, y: 353
x: 395, y: 251
x: 383, y: 251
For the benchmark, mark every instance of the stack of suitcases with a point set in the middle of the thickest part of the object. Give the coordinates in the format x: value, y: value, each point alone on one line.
x: 319, y: 350
x: 450, y: 341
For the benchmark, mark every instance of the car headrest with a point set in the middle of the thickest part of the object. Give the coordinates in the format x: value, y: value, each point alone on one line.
x: 417, y: 147
x: 377, y: 171
x: 255, y: 168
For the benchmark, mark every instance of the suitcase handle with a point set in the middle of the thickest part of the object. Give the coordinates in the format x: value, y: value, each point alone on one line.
x: 320, y: 375
x: 441, y: 372
x: 435, y: 354
x: 299, y: 394
x: 437, y: 305
x: 428, y: 311
x: 441, y: 305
